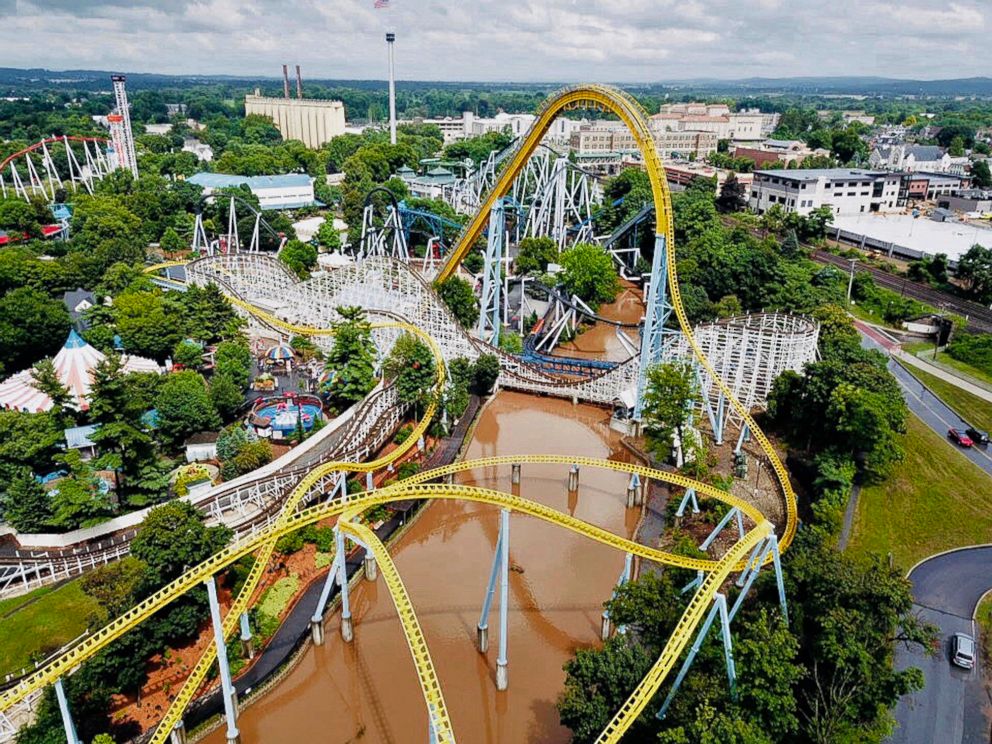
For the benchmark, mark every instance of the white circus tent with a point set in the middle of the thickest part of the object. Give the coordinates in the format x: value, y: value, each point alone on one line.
x: 74, y: 364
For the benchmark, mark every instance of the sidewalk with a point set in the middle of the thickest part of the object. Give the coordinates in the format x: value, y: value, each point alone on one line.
x: 955, y: 380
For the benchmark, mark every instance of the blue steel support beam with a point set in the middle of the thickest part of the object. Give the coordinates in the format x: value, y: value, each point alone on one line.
x: 492, y: 281
x: 656, y: 314
x: 227, y: 687
x: 70, y: 727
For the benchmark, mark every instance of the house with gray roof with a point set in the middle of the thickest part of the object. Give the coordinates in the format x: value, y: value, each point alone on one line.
x: 912, y: 158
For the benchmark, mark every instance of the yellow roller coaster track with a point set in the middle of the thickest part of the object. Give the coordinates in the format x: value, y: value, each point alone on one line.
x: 290, y: 519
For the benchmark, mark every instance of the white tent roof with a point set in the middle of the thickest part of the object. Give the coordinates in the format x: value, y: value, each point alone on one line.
x: 74, y: 364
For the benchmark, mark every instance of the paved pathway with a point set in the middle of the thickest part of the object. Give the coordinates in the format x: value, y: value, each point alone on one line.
x: 954, y: 706
x: 923, y: 364
x: 928, y: 407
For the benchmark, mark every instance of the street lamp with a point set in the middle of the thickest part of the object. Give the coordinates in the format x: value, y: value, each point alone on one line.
x: 850, y: 282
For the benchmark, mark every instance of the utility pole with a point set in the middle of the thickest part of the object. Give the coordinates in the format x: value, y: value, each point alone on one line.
x: 390, y: 39
x: 850, y: 282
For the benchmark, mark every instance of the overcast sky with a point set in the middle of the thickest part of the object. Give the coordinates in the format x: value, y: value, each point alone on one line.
x: 523, y: 40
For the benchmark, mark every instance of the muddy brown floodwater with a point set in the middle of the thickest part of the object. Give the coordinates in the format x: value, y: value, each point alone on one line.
x: 367, y: 691
x: 599, y: 341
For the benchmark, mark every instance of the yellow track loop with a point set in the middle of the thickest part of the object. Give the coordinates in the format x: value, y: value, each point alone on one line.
x: 399, y: 492
x: 193, y: 681
x: 621, y: 467
x: 429, y: 684
x: 641, y: 696
x: 626, y: 107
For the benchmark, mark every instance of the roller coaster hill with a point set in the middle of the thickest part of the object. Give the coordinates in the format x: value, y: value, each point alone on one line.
x: 734, y: 362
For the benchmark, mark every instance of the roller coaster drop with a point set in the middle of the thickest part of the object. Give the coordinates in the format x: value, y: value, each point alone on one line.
x: 757, y: 543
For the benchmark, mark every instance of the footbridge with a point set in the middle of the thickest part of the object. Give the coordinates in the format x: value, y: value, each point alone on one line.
x: 743, y: 542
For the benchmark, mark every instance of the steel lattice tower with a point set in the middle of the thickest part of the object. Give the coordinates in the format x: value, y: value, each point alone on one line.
x: 121, y: 129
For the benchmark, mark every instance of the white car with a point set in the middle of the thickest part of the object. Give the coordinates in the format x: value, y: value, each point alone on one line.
x: 963, y: 650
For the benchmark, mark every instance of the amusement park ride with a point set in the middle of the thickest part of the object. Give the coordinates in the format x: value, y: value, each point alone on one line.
x: 735, y: 361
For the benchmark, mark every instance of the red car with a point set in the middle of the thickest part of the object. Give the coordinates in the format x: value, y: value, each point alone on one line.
x: 959, y: 437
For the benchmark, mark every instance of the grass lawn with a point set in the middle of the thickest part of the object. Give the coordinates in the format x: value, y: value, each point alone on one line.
x: 983, y: 616
x: 55, y: 617
x: 970, y: 407
x: 935, y: 499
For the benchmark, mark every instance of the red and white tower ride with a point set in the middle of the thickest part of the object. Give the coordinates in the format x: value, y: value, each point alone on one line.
x: 120, y: 128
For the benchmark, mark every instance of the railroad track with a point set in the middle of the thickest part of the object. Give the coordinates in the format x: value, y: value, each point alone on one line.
x: 978, y: 316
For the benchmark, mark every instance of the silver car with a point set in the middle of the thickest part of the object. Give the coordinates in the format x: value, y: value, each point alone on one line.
x: 963, y: 650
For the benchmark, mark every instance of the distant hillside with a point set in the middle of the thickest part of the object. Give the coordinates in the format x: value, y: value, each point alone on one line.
x: 14, y: 80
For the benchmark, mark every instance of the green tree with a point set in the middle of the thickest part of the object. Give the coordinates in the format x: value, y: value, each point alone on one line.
x: 31, y: 326
x: 790, y: 245
x: 669, y: 398
x: 351, y: 359
x: 147, y: 323
x: 171, y: 242
x: 485, y: 372
x: 26, y: 506
x: 184, y: 407
x: 226, y: 396
x: 597, y: 683
x: 77, y: 500
x: 118, y: 401
x: 956, y: 147
x: 733, y: 197
x: 975, y: 269
x: 252, y: 456
x: 328, y: 236
x: 172, y: 538
x: 588, y: 271
x: 232, y: 359
x: 29, y: 440
x: 189, y: 354
x: 115, y: 586
x: 45, y: 378
x: 411, y: 364
x: 457, y: 294
x: 981, y: 177
x: 230, y: 442
x: 534, y: 254
x: 300, y: 257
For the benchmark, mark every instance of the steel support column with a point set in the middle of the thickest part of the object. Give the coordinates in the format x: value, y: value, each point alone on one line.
x: 70, y: 727
x: 227, y: 687
x: 656, y: 313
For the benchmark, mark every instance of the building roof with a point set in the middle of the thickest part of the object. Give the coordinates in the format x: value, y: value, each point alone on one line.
x: 814, y: 174
x: 919, y: 152
x: 74, y: 364
x: 79, y: 436
x: 224, y: 180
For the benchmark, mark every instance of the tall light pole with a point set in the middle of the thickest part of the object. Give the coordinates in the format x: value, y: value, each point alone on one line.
x: 850, y: 281
x: 390, y: 38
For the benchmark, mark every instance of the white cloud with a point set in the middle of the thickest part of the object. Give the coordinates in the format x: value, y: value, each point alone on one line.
x: 551, y: 40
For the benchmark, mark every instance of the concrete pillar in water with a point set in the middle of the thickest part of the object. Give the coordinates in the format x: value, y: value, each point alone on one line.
x: 246, y: 644
x: 483, y: 639
x: 317, y: 632
x: 347, y: 631
x: 606, y: 626
x: 178, y: 733
x: 371, y: 569
x: 573, y: 478
x: 631, y: 496
x: 515, y: 473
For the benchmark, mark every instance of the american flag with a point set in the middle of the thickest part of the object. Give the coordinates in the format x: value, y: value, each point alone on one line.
x: 382, y: 3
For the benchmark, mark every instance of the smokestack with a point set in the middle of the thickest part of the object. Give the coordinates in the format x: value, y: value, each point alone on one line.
x: 390, y: 38
x: 285, y: 81
x: 299, y: 83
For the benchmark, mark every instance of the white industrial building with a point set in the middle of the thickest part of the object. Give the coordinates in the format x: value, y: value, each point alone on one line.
x: 289, y: 191
x: 312, y: 121
x: 844, y: 190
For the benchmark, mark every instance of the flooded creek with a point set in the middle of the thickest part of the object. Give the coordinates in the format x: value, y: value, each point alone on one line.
x: 367, y: 691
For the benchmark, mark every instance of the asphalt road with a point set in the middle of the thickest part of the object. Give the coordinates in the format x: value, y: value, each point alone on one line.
x: 953, y: 707
x: 927, y: 406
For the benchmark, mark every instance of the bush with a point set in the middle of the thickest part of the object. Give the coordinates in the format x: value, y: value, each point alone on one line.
x: 403, y: 434
x: 252, y: 456
x: 289, y: 544
x: 324, y: 539
x: 974, y: 349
